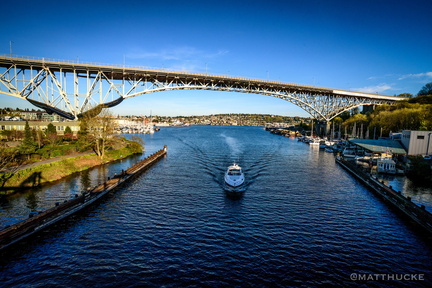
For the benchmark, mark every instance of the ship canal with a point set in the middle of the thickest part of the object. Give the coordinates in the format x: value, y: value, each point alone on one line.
x: 302, y: 221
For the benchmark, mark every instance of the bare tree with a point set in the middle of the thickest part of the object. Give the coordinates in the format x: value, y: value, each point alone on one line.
x: 100, y: 130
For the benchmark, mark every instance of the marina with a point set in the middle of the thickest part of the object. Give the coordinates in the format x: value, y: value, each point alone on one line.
x: 351, y: 157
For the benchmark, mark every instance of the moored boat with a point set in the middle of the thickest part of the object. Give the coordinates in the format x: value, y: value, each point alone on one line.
x: 314, y: 142
x: 349, y: 153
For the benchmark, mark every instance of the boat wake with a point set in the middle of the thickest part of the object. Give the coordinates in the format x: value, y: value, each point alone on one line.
x: 233, y: 144
x: 212, y: 160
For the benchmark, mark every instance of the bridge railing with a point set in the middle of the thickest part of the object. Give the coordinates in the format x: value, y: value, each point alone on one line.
x: 77, y: 62
x: 53, y: 60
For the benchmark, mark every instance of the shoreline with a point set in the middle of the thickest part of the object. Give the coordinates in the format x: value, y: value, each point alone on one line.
x: 37, y: 222
x: 38, y: 175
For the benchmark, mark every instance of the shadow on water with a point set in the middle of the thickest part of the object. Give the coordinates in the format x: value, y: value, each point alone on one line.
x: 34, y: 180
x: 233, y: 199
x: 234, y: 195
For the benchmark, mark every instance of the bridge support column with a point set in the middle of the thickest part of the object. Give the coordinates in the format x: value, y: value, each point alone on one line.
x: 328, y: 129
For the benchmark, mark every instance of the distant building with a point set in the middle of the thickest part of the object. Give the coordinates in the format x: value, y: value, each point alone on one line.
x: 60, y: 126
x: 417, y: 142
x: 30, y: 115
x: 52, y: 117
x: 39, y: 116
x: 12, y: 118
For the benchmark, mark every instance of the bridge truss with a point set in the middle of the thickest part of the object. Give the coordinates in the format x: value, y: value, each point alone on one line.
x: 71, y: 89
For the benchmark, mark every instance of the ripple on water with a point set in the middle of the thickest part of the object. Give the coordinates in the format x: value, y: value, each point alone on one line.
x: 302, y: 221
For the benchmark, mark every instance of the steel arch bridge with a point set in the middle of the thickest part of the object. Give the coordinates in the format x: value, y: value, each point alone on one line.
x: 72, y: 88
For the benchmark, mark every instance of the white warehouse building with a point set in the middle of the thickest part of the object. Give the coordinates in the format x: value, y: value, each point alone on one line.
x: 417, y: 142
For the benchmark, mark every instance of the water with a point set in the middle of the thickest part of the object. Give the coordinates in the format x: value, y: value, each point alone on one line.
x: 302, y: 221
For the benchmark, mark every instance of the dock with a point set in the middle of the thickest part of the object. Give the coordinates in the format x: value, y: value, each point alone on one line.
x: 417, y: 214
x: 38, y: 222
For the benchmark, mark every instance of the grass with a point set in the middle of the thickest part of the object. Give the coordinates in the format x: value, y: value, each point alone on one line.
x: 35, y: 176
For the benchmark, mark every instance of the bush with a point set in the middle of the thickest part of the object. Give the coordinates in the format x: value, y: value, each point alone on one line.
x: 420, y: 170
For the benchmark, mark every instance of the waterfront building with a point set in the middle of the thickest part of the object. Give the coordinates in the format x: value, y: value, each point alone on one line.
x: 408, y: 142
x: 417, y: 142
x: 380, y: 146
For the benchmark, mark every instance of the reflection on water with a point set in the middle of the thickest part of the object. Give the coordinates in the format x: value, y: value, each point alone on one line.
x: 420, y: 195
x: 18, y: 206
x: 302, y: 221
x: 85, y: 180
x: 31, y: 201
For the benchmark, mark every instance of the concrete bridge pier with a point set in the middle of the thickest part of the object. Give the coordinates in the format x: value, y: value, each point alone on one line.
x: 327, y: 130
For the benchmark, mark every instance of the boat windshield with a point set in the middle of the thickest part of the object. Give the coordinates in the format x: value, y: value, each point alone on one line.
x: 234, y: 172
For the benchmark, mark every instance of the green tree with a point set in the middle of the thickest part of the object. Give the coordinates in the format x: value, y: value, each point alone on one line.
x: 420, y: 171
x: 51, y: 129
x: 356, y: 123
x: 423, y: 99
x: 51, y: 134
x: 82, y: 133
x: 68, y: 134
x: 407, y: 117
x: 28, y: 145
x: 405, y: 95
x: 83, y: 141
x: 426, y: 90
x: 8, y: 134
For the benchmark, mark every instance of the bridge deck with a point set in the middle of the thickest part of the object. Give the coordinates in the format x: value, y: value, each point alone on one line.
x: 119, y: 72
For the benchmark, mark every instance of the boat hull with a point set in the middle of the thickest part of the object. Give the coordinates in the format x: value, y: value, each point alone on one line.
x: 234, y: 182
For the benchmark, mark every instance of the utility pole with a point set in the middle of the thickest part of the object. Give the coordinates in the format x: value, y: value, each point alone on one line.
x: 10, y: 47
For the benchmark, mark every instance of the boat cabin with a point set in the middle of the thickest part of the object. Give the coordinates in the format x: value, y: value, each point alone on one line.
x: 386, y: 165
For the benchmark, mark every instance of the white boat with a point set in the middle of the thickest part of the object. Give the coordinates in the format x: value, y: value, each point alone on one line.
x: 314, y: 142
x: 386, y: 165
x: 234, y: 176
x: 348, y: 153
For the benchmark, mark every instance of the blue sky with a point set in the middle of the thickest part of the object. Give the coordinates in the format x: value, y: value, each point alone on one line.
x: 376, y: 46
